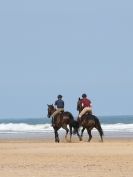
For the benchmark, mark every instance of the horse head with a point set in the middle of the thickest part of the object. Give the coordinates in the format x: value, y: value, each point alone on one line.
x: 79, y: 105
x: 51, y: 110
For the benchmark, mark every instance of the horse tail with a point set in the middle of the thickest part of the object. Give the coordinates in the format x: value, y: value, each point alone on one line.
x: 75, y: 125
x: 98, y: 125
x: 71, y: 116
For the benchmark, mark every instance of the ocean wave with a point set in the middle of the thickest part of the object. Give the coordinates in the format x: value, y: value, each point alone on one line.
x: 40, y: 128
x: 118, y: 127
x: 23, y: 127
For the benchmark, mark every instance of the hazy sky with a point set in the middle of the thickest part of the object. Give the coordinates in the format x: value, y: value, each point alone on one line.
x: 65, y: 47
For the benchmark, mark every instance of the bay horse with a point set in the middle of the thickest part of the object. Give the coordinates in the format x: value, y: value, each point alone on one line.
x: 88, y: 122
x: 61, y: 120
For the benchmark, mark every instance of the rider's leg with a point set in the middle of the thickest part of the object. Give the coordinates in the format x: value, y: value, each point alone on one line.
x: 86, y: 109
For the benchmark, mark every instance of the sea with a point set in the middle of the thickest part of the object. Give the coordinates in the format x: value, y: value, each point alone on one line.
x: 36, y: 128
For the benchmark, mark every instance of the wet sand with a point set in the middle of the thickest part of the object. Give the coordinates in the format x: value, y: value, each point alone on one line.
x: 44, y: 158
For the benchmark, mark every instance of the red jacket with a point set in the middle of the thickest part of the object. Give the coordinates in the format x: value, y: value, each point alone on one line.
x: 85, y: 102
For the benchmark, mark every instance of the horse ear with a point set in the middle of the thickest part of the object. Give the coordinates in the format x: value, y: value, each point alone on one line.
x: 79, y: 98
x: 47, y: 105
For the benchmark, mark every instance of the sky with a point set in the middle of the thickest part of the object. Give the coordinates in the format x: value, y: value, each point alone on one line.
x: 69, y: 48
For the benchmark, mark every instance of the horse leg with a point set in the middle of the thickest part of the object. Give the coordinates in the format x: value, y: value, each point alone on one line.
x: 80, y: 138
x: 56, y: 135
x: 76, y: 131
x: 89, y: 133
x: 70, y: 132
x: 82, y: 131
x: 65, y: 128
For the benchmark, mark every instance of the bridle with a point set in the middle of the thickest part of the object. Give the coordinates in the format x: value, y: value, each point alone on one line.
x: 79, y: 106
x: 51, y: 110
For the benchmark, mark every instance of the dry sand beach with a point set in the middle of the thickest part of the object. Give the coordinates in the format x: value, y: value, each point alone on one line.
x: 44, y: 158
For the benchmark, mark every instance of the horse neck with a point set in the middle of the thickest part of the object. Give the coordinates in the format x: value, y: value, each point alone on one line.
x: 52, y: 111
x: 80, y: 109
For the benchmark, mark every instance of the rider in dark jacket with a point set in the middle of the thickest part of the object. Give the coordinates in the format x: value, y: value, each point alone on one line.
x: 59, y: 105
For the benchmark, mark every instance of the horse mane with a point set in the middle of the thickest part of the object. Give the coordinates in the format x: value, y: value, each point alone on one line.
x: 79, y: 106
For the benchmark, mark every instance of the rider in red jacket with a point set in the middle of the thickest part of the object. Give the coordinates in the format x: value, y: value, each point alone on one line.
x: 86, y: 105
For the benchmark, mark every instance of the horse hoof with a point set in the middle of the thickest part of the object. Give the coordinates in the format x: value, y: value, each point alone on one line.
x: 57, y: 140
x: 80, y: 139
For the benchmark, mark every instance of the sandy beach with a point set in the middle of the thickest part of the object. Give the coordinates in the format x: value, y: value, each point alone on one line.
x: 44, y: 158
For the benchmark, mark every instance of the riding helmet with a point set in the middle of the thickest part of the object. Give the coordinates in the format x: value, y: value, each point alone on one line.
x: 59, y: 96
x: 84, y: 95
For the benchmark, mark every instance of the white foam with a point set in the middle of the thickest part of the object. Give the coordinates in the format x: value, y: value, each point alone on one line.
x: 118, y: 127
x: 28, y: 128
x: 22, y: 127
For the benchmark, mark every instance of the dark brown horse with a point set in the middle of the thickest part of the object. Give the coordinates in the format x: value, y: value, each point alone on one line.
x: 61, y: 120
x: 88, y: 122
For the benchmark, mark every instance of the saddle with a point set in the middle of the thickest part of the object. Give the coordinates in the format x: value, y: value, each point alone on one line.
x: 89, y: 112
x: 85, y: 116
